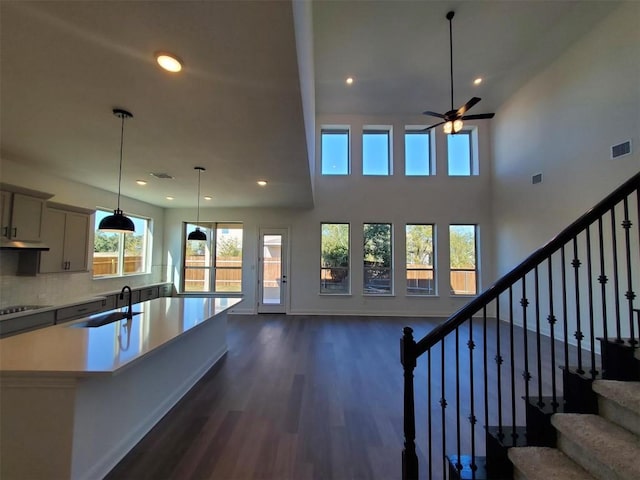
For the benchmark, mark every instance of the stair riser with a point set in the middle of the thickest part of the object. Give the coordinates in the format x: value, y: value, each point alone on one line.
x: 584, y: 458
x: 619, y: 415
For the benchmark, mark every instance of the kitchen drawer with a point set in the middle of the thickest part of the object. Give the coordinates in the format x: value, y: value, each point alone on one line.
x: 148, y: 293
x: 166, y: 290
x: 79, y: 311
x: 27, y: 322
x: 135, y: 298
x: 109, y: 303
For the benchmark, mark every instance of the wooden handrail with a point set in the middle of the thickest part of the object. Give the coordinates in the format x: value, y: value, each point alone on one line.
x: 533, y: 260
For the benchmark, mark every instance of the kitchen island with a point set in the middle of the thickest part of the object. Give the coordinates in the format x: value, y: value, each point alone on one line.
x: 75, y: 399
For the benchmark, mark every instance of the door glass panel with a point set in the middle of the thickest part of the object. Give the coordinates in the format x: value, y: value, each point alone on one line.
x: 272, y: 269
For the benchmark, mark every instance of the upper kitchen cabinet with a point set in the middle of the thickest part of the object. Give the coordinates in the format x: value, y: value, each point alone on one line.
x: 65, y: 230
x: 22, y: 211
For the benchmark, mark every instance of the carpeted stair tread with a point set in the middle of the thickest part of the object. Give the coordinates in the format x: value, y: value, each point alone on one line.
x: 544, y: 463
x: 626, y: 394
x: 604, y: 449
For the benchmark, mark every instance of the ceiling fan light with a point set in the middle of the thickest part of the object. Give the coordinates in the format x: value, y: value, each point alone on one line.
x: 448, y: 127
x: 116, y: 223
x: 457, y: 126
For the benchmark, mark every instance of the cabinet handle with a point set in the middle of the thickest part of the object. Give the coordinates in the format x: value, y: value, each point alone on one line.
x: 15, y: 232
x: 5, y: 231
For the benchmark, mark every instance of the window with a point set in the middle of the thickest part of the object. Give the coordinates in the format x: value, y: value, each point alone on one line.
x: 375, y: 152
x: 120, y: 254
x: 463, y: 259
x: 420, y: 256
x: 377, y: 259
x: 459, y: 150
x: 335, y: 151
x: 334, y: 262
x: 214, y: 264
x: 417, y: 153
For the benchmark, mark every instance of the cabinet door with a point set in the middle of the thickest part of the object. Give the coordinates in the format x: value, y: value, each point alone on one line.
x: 5, y: 213
x: 76, y: 236
x: 53, y: 236
x: 26, y: 217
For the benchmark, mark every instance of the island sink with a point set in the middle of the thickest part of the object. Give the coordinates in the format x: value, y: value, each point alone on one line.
x: 104, y: 319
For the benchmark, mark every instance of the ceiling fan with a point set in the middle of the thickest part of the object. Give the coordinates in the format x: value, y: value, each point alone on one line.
x: 452, y: 120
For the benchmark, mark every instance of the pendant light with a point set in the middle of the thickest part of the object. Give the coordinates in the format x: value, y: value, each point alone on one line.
x: 198, y: 234
x: 118, y: 222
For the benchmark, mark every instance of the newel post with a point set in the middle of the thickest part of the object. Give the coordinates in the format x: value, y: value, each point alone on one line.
x: 408, y: 360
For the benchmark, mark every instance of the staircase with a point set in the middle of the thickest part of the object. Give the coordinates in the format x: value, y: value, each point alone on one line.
x: 539, y: 376
x: 604, y: 446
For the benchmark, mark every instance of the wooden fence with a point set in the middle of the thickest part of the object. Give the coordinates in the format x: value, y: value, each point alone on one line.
x: 105, y: 264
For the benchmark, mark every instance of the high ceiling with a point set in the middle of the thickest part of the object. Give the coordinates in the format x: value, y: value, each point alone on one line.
x: 236, y: 109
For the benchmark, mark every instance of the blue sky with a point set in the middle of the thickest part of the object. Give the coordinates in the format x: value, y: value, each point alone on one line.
x: 375, y: 152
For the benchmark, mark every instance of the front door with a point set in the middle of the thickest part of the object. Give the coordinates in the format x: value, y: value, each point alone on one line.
x: 273, y: 290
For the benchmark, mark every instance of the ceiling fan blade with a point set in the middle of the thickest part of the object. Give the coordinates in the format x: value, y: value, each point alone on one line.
x: 433, y: 114
x: 432, y: 126
x: 461, y: 111
x: 479, y: 116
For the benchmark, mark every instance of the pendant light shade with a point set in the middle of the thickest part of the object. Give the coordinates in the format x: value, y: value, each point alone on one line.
x: 117, y: 222
x: 198, y: 234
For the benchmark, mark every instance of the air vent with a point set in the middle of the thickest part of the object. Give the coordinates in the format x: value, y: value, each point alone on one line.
x: 164, y: 176
x: 537, y: 178
x: 621, y: 149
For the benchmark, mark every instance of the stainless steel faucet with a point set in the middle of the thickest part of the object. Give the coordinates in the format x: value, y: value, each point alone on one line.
x: 127, y: 287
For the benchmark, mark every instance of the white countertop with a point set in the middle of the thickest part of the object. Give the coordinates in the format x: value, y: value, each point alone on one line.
x: 67, y: 349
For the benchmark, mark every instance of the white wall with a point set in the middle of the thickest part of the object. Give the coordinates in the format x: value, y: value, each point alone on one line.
x: 57, y: 288
x: 356, y: 199
x: 562, y: 124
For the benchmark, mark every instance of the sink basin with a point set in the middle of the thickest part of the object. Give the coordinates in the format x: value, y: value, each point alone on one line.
x: 103, y: 319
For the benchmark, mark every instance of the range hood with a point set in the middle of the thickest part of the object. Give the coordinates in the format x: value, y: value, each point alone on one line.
x: 19, y: 245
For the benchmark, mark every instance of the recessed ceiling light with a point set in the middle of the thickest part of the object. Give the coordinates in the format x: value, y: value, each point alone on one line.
x: 207, y: 197
x: 141, y: 182
x: 262, y: 183
x: 349, y: 81
x: 169, y: 62
x: 169, y: 198
x: 477, y: 81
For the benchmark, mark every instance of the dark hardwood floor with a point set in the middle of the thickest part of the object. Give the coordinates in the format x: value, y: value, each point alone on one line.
x: 296, y: 397
x: 321, y: 398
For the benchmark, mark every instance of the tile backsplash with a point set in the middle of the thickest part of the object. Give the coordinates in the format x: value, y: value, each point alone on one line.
x: 60, y: 288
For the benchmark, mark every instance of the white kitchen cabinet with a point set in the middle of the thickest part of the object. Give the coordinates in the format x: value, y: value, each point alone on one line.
x: 66, y: 233
x: 22, y: 216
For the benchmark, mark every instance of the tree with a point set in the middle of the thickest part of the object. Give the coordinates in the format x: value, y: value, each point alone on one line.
x: 106, y: 242
x: 420, y: 245
x: 377, y: 244
x: 335, y: 245
x: 229, y: 247
x: 462, y: 247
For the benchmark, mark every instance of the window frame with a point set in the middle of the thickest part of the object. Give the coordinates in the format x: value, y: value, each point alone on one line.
x: 121, y: 253
x: 432, y: 269
x: 212, y: 269
x: 475, y: 270
x: 378, y: 130
x: 335, y: 130
x: 348, y: 267
x: 390, y: 268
